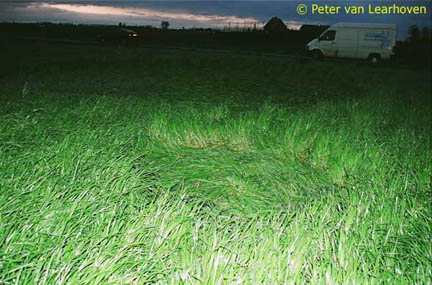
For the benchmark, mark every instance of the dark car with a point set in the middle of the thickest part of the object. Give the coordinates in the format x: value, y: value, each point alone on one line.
x: 118, y: 35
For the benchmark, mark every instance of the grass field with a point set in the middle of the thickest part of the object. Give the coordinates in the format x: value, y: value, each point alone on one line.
x: 126, y: 165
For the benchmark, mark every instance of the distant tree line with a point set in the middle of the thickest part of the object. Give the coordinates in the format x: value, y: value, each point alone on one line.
x: 416, y: 49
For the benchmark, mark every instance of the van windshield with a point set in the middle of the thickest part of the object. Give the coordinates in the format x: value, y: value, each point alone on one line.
x: 328, y: 36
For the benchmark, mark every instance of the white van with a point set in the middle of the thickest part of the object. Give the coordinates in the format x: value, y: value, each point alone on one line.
x: 349, y: 40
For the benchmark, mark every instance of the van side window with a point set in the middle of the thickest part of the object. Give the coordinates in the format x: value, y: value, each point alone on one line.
x: 329, y: 36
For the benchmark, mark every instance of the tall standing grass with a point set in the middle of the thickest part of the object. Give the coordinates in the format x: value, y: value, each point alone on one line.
x: 140, y: 174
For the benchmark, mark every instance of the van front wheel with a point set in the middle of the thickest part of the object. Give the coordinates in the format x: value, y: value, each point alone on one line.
x: 317, y: 54
x: 374, y: 58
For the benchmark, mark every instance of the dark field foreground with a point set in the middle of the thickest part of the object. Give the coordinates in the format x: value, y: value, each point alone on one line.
x: 127, y: 165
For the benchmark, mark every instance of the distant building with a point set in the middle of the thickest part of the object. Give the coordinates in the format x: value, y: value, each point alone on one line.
x: 275, y: 25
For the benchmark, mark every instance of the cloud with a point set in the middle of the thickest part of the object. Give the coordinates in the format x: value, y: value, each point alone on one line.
x: 143, y: 15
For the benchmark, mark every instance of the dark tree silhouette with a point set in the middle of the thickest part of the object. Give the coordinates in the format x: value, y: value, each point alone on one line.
x: 414, y: 33
x: 164, y: 25
x: 426, y: 34
x: 416, y: 50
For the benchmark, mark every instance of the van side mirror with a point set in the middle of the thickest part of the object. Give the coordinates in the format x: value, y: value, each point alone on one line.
x: 319, y: 39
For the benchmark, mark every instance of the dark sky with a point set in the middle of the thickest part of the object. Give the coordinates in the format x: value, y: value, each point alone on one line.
x: 202, y: 13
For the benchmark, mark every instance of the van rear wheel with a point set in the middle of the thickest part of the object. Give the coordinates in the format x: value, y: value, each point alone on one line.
x: 374, y: 58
